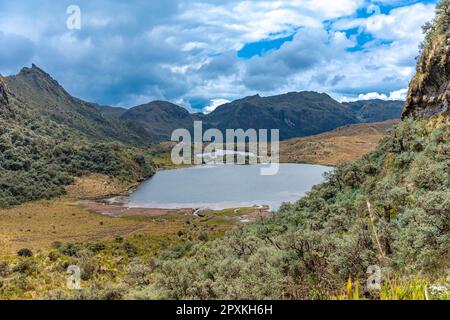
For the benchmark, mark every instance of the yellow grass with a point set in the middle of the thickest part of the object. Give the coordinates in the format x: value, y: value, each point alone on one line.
x: 331, y: 148
x: 38, y: 224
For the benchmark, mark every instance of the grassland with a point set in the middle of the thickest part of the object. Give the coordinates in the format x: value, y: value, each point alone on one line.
x: 343, y: 144
x: 61, y: 232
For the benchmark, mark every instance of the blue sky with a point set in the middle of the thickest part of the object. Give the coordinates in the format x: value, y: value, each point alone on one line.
x: 202, y: 53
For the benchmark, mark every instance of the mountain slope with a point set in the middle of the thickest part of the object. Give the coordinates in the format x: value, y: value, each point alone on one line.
x: 159, y: 118
x: 41, y: 95
x: 295, y: 114
x: 333, y: 147
x: 47, y: 138
x: 429, y: 91
x: 376, y: 110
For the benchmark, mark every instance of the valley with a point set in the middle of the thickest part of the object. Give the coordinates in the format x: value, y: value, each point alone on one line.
x: 385, y: 204
x: 73, y: 217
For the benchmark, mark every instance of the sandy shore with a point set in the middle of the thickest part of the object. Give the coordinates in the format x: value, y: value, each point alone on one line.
x: 119, y: 210
x: 244, y: 215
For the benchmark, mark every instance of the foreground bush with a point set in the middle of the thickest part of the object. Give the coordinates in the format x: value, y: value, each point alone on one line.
x: 390, y: 209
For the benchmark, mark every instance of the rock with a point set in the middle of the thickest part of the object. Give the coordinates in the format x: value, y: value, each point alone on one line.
x: 3, y: 94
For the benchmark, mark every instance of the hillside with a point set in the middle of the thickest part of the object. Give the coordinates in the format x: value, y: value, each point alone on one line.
x: 42, y: 96
x: 429, y: 91
x: 331, y: 148
x: 159, y: 118
x: 376, y: 110
x: 47, y: 138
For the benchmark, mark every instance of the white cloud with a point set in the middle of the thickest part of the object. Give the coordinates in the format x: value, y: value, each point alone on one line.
x: 214, y: 104
x: 182, y: 50
x: 399, y: 95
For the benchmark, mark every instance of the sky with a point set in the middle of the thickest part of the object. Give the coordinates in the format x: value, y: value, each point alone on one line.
x: 203, y: 53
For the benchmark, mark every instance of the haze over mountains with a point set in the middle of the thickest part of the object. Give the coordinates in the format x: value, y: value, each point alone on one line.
x: 296, y: 114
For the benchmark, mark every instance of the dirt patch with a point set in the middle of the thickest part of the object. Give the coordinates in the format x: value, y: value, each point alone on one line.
x: 118, y: 210
x: 96, y: 186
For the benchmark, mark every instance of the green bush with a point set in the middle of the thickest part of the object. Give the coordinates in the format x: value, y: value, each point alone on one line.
x: 310, y: 249
x: 25, y: 253
x: 69, y: 249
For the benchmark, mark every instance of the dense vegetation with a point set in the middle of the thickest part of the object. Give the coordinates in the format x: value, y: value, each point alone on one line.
x: 310, y: 249
x: 41, y: 154
x: 429, y: 90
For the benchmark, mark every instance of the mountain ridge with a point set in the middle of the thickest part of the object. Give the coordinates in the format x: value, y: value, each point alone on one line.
x: 296, y: 114
x: 40, y: 95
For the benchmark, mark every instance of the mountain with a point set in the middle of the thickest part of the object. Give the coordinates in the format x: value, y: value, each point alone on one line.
x: 296, y: 114
x: 48, y: 138
x: 376, y: 110
x: 159, y: 118
x: 42, y: 96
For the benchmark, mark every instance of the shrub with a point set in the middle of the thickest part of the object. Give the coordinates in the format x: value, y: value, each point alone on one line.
x: 69, y: 249
x: 26, y: 267
x: 25, y: 253
x: 130, y: 249
x: 203, y: 237
x: 4, y: 269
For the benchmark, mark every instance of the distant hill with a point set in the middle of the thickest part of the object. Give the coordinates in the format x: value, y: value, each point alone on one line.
x: 376, y: 110
x: 296, y: 114
x: 159, y: 118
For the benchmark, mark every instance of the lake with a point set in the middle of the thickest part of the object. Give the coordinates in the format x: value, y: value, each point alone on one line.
x: 226, y: 186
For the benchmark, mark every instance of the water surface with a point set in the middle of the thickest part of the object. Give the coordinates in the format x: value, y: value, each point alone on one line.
x: 226, y: 186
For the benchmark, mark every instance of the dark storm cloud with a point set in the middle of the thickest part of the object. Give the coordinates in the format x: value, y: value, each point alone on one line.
x: 16, y: 51
x: 130, y: 52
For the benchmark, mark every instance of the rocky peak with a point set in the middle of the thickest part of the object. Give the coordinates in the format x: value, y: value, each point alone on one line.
x: 37, y: 79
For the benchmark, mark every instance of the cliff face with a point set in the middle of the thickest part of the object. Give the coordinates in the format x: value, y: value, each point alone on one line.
x: 3, y: 95
x: 429, y: 92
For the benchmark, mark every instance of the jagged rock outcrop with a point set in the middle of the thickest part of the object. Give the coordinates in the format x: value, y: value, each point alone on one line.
x: 429, y: 91
x: 3, y: 95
